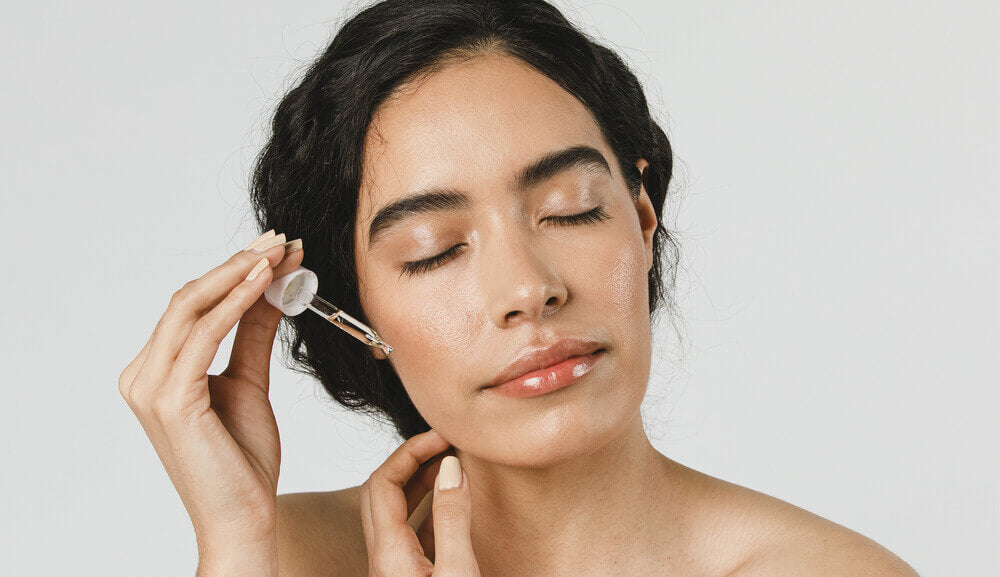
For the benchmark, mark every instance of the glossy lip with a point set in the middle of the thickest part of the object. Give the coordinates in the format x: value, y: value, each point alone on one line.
x: 549, y: 379
x: 537, y: 358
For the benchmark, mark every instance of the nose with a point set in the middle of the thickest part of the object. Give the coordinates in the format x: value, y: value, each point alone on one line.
x: 520, y: 280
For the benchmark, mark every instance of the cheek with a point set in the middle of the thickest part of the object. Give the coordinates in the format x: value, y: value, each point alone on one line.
x: 432, y: 323
x: 622, y: 272
x: 622, y: 298
x: 627, y: 281
x: 432, y: 345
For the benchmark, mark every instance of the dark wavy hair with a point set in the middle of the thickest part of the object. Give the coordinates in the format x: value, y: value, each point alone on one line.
x: 306, y: 179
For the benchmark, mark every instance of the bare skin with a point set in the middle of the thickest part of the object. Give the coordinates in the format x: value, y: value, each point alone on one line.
x: 563, y: 484
x: 732, y: 531
x: 566, y: 483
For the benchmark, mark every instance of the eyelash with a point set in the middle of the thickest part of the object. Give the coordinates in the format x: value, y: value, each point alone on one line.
x: 591, y: 216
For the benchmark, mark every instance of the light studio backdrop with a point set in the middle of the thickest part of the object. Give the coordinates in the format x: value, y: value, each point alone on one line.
x: 836, y: 196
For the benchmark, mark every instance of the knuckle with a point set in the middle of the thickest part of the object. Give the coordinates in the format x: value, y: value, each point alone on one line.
x: 160, y: 406
x: 203, y: 332
x: 182, y: 294
x: 128, y: 391
x: 137, y: 399
x: 165, y: 406
x: 124, y: 383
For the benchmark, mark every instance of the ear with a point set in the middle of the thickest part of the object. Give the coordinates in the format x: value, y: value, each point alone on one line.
x: 647, y: 215
x: 378, y: 353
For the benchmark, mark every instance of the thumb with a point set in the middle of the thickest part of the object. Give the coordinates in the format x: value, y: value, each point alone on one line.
x: 452, y: 516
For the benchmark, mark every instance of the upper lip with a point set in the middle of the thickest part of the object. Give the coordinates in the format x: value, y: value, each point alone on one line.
x: 535, y: 358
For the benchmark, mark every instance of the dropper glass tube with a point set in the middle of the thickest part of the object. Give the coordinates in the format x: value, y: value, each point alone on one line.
x: 295, y: 292
x: 353, y: 326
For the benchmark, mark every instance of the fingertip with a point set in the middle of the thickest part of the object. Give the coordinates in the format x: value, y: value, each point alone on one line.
x: 256, y: 272
x: 450, y: 474
x: 288, y: 263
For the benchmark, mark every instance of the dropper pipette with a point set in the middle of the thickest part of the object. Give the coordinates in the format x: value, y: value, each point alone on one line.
x: 296, y: 291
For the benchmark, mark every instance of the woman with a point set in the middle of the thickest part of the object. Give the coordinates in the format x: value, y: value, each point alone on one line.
x: 482, y: 184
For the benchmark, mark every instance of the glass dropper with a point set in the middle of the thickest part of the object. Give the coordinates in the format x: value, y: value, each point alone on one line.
x: 296, y: 291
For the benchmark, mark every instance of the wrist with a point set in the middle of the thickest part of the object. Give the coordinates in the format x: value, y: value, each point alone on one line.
x: 247, y: 559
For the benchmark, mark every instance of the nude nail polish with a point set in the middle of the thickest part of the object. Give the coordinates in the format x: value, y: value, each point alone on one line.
x: 256, y: 270
x: 269, y: 243
x: 259, y: 239
x: 450, y: 473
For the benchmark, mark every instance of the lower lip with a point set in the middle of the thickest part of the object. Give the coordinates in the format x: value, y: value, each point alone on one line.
x: 550, y: 378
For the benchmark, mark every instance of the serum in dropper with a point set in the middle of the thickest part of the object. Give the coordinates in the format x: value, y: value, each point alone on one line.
x: 296, y: 291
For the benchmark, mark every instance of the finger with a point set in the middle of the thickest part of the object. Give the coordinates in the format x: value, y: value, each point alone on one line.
x: 364, y: 496
x: 452, y: 511
x: 419, y: 518
x: 199, y: 349
x: 421, y: 484
x: 189, y: 303
x: 250, y: 359
x: 425, y: 533
x: 293, y: 257
x: 422, y: 481
x: 389, y: 507
x: 420, y: 513
x: 128, y: 373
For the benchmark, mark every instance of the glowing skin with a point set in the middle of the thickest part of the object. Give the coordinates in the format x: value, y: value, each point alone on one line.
x: 566, y: 482
x: 516, y: 280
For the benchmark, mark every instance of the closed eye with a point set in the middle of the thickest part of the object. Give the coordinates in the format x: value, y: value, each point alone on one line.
x: 416, y: 267
x: 596, y: 215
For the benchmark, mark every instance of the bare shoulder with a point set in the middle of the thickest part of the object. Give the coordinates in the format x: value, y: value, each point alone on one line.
x: 821, y: 548
x: 319, y: 535
x: 779, y: 539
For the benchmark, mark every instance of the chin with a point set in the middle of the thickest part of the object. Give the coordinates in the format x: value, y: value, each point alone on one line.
x: 541, y: 436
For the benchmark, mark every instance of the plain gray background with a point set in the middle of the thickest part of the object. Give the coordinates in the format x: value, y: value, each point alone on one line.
x: 836, y: 199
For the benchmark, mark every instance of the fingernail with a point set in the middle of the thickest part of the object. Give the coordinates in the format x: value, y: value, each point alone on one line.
x: 450, y: 473
x: 293, y: 245
x: 264, y: 263
x: 257, y: 240
x: 269, y: 243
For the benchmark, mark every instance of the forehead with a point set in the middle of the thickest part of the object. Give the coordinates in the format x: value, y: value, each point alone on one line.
x: 471, y: 124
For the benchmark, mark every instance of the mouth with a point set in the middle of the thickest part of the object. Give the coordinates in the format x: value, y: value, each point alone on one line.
x: 551, y: 378
x: 545, y: 367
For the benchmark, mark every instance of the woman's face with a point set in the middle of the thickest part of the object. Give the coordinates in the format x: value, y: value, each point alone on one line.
x: 512, y: 277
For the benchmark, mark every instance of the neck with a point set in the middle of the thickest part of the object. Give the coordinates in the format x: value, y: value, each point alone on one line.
x: 604, y: 509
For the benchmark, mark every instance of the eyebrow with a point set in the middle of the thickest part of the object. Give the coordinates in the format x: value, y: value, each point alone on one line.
x: 437, y: 198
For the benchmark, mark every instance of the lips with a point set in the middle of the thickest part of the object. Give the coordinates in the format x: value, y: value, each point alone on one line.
x: 534, y: 358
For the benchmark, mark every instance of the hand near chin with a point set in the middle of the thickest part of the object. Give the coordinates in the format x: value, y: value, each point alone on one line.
x: 392, y: 493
